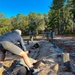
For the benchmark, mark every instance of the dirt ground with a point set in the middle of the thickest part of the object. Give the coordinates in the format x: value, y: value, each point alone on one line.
x: 66, y: 43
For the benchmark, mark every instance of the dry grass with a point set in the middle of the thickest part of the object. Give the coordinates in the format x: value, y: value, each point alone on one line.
x: 37, y: 37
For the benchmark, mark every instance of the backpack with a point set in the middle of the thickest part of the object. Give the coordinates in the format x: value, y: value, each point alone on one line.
x: 17, y: 69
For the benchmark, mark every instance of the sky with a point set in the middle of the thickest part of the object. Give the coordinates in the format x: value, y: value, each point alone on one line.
x: 13, y: 7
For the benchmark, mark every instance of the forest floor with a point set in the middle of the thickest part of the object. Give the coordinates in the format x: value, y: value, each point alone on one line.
x: 50, y: 62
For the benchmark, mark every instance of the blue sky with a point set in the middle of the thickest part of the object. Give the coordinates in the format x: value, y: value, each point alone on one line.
x: 13, y: 7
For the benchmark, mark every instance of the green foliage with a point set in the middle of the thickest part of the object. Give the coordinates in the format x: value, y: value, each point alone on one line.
x: 57, y: 4
x: 61, y: 16
x: 4, y: 29
x: 36, y: 21
x: 33, y: 22
x: 5, y: 25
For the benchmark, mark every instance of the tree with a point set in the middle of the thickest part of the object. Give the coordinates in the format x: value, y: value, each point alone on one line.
x: 2, y: 15
x: 36, y: 21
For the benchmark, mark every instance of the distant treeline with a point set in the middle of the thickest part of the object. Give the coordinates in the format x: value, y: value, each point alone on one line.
x: 60, y: 18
